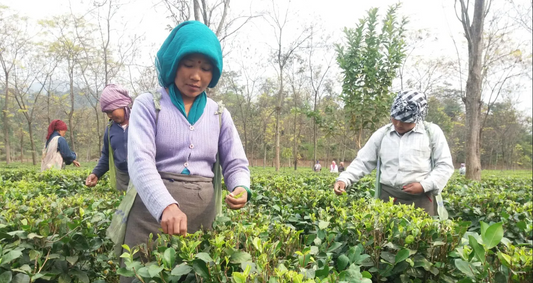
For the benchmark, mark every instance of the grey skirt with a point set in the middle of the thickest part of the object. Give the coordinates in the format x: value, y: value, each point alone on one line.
x: 425, y: 201
x: 123, y: 180
x: 196, y: 198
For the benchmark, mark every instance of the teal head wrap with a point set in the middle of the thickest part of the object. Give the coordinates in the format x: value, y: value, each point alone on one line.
x: 191, y: 37
x: 188, y: 38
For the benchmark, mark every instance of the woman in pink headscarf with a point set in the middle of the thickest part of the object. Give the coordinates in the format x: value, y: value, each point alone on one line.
x: 115, y: 102
x: 333, y: 167
x: 56, y: 151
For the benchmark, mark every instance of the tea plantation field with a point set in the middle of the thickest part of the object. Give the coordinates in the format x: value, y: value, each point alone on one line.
x: 295, y: 229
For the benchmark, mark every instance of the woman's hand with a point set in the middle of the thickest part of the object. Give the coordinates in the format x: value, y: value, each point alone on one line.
x: 339, y: 187
x: 237, y: 199
x: 76, y: 163
x: 413, y: 188
x: 174, y: 221
x: 91, y: 180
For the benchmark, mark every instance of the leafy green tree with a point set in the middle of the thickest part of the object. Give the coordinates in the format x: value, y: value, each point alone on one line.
x: 437, y: 114
x: 504, y: 136
x: 369, y: 63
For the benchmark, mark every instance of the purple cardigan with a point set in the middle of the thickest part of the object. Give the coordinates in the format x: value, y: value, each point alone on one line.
x: 180, y: 144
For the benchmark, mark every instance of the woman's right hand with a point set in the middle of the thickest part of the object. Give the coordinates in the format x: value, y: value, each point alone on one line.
x: 174, y: 221
x: 339, y: 188
x: 91, y: 180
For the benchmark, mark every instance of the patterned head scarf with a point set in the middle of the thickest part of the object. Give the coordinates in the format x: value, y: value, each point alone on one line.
x: 409, y: 107
x: 115, y: 97
x: 188, y: 38
x: 56, y: 125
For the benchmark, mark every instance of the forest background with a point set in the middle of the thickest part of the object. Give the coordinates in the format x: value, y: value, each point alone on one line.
x: 289, y: 75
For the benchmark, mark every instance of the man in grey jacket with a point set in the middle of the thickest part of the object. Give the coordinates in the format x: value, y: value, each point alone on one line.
x: 414, y: 157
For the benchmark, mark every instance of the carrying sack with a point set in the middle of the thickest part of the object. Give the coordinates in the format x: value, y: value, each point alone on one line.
x: 51, y: 158
x: 112, y: 169
x: 117, y: 229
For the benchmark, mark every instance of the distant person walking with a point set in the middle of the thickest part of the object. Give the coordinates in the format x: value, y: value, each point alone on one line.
x: 317, y: 167
x: 333, y: 167
x: 56, y: 152
x: 341, y: 167
x: 462, y: 169
x: 115, y: 102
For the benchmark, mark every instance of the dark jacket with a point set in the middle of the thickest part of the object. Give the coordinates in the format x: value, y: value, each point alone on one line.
x: 119, y: 144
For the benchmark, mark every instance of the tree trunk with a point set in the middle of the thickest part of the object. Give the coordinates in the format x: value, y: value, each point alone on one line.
x: 98, y: 129
x: 472, y: 100
x: 344, y: 144
x: 295, y: 139
x: 32, y: 142
x: 48, y: 103
x: 71, y: 113
x: 314, y: 129
x: 264, y: 155
x: 252, y: 160
x: 6, y: 121
x: 359, y: 137
x: 21, y: 146
x: 278, y: 109
x: 244, y: 127
x: 196, y: 8
x: 276, y: 158
x: 223, y: 18
x: 314, y: 142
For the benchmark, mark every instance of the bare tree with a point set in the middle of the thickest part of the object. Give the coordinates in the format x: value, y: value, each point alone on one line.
x: 300, y: 95
x: 14, y: 38
x: 214, y: 14
x: 317, y: 77
x: 473, y: 28
x: 69, y: 35
x: 283, y: 54
x: 425, y: 74
x: 103, y: 56
x: 35, y: 72
x: 523, y: 15
x: 244, y: 95
x: 496, y: 62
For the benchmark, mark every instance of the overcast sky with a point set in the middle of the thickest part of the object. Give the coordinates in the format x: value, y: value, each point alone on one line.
x: 435, y: 16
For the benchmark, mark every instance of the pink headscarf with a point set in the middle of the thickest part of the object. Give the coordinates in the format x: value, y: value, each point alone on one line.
x: 115, y: 97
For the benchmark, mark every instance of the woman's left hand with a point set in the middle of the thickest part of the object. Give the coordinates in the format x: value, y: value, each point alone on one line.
x: 413, y: 188
x: 237, y: 203
x: 76, y: 163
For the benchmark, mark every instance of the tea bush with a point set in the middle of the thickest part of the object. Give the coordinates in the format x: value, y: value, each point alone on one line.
x: 295, y: 229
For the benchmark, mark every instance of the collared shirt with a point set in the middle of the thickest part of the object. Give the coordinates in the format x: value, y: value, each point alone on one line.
x: 405, y: 159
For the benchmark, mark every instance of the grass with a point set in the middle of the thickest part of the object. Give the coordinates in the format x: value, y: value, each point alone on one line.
x: 507, y: 173
x: 29, y: 166
x: 301, y: 169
